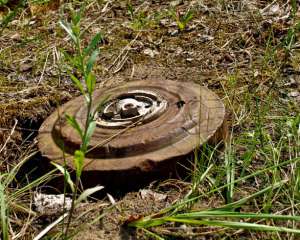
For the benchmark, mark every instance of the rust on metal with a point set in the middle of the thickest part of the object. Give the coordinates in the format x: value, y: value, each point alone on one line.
x: 132, y: 106
x: 143, y: 126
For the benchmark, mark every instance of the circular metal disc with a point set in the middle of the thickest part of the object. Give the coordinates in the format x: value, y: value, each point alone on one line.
x: 143, y: 124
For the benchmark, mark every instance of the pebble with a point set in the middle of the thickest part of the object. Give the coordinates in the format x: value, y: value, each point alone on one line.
x: 294, y: 94
x: 25, y: 67
x: 204, y: 38
x: 16, y: 37
x: 176, y: 3
x: 174, y: 33
x: 150, y: 52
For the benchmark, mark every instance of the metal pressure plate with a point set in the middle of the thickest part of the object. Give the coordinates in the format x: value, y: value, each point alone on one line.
x: 143, y: 126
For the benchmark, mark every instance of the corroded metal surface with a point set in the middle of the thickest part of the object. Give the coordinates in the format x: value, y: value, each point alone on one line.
x: 145, y: 124
x: 133, y: 106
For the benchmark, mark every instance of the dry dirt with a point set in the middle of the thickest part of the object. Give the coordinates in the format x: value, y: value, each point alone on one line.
x: 222, y: 40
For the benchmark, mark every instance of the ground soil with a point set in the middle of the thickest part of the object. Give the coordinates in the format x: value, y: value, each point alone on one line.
x: 222, y: 40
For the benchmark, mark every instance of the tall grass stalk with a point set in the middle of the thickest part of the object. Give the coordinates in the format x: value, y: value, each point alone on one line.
x: 11, y: 198
x: 84, y: 80
x: 3, y: 213
x: 230, y: 172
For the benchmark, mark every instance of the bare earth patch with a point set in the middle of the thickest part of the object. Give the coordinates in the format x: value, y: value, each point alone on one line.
x: 242, y: 50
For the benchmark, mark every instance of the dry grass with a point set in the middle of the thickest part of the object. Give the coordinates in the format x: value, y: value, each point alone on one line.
x: 243, y: 50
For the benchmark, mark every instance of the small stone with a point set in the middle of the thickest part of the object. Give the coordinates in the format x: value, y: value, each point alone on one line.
x: 25, y: 67
x: 183, y: 227
x: 49, y: 204
x: 164, y: 22
x: 205, y: 38
x: 176, y: 3
x: 15, y: 22
x: 145, y: 193
x: 174, y: 33
x: 190, y: 59
x: 292, y: 83
x: 150, y: 52
x: 275, y: 9
x: 191, y: 27
x: 179, y: 51
x: 173, y: 24
x: 294, y: 94
x: 16, y: 37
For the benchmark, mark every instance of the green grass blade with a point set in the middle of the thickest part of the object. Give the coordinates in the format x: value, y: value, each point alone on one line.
x: 152, y: 234
x: 3, y: 213
x: 91, y: 61
x: 90, y: 83
x: 93, y: 44
x: 186, y: 201
x: 17, y: 194
x: 13, y: 172
x: 225, y: 214
x: 77, y: 83
x: 66, y: 175
x: 235, y: 225
x: 242, y: 201
x: 73, y: 122
x: 68, y: 30
x: 147, y: 222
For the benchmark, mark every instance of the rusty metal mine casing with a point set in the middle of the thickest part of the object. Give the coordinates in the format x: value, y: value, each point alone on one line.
x: 142, y: 131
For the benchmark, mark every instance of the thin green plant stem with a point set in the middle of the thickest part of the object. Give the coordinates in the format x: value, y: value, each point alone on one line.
x: 186, y: 201
x: 152, y: 234
x: 229, y: 214
x: 240, y: 202
x: 230, y: 206
x: 3, y: 213
x: 235, y: 225
x: 65, y: 171
x: 83, y: 62
x: 44, y: 178
x: 85, y: 130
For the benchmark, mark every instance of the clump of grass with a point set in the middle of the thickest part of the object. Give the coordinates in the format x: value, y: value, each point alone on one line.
x: 139, y: 18
x: 261, y: 166
x: 11, y: 14
x: 182, y: 20
x: 265, y: 159
x: 225, y: 216
x: 12, y: 197
x: 82, y: 63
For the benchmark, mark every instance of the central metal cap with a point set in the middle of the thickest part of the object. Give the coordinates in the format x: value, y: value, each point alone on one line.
x: 131, y: 107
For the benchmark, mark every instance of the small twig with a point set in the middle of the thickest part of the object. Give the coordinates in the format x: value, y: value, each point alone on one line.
x: 111, y: 199
x: 132, y: 71
x: 11, y: 133
x: 22, y: 129
x: 52, y: 225
x: 104, y: 11
x: 268, y: 6
x: 121, y: 63
x: 110, y: 139
x: 126, y: 48
x: 105, y: 7
x: 24, y: 91
x: 44, y: 67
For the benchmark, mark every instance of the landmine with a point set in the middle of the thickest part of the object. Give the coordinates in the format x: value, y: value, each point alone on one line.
x: 144, y: 128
